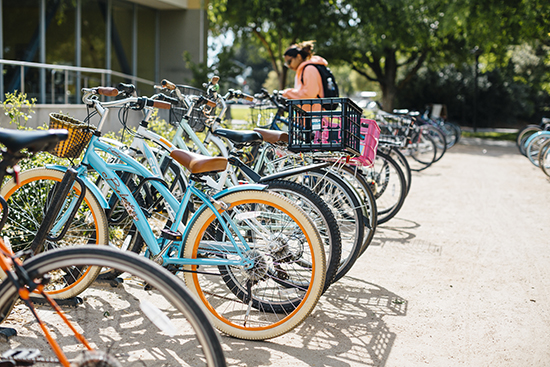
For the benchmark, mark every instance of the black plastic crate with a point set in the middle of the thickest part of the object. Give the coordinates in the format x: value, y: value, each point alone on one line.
x: 313, y: 129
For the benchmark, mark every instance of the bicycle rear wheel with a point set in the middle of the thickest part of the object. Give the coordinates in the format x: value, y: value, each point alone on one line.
x: 28, y: 202
x: 321, y: 215
x: 162, y: 326
x: 347, y: 207
x: 286, y: 272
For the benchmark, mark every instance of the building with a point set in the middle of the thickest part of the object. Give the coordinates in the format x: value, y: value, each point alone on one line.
x: 51, y: 48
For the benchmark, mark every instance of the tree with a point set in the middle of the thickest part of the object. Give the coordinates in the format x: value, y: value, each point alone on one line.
x: 389, y: 41
x: 272, y: 24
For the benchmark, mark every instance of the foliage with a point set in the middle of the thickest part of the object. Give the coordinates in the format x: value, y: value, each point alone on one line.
x: 387, y: 42
x: 225, y: 67
x: 14, y: 106
x: 507, y: 96
x: 272, y: 25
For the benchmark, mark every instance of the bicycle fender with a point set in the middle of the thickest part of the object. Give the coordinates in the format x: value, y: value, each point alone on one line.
x: 292, y: 172
x: 89, y: 185
x: 255, y: 187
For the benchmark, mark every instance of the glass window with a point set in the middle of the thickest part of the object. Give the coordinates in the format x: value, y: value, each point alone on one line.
x: 21, y: 42
x: 60, y: 32
x: 146, y: 47
x: 122, y: 28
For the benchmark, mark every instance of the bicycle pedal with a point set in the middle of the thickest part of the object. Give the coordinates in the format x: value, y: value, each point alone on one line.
x: 71, y: 302
x: 109, y: 279
x: 21, y: 354
x: 7, y: 332
x: 171, y: 235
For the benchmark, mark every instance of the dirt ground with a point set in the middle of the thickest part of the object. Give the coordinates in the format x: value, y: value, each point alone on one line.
x: 461, y: 277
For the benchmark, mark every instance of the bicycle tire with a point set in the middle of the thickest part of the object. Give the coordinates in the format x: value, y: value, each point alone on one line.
x: 24, y: 218
x: 524, y: 134
x: 325, y: 222
x: 386, y: 174
x: 440, y: 140
x: 544, y: 158
x: 355, y: 177
x: 401, y: 160
x: 533, y: 145
x: 423, y: 151
x: 195, y: 334
x: 347, y: 208
x: 275, y: 307
x: 452, y: 132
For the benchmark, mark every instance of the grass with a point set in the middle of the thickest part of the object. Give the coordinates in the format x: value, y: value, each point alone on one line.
x: 240, y: 112
x: 490, y: 135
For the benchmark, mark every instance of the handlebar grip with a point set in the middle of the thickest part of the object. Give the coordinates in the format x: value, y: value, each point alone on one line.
x: 162, y: 105
x: 107, y: 91
x: 168, y: 84
x: 164, y: 97
x: 248, y: 97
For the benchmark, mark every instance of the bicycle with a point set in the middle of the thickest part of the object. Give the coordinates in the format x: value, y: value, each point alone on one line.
x: 281, y: 180
x: 529, y: 130
x: 27, y: 282
x: 356, y: 214
x: 244, y: 247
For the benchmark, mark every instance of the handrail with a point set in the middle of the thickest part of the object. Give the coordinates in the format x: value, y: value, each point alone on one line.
x: 67, y: 68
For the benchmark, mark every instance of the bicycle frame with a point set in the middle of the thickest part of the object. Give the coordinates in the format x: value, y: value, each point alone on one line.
x: 176, y: 209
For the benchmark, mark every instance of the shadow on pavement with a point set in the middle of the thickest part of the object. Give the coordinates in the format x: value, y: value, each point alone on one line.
x: 347, y: 328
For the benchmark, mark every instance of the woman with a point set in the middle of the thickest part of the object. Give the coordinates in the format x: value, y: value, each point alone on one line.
x: 308, y: 82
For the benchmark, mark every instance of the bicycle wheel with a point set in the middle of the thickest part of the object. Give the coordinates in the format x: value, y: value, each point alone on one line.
x: 422, y: 150
x: 160, y: 326
x: 533, y: 146
x: 400, y: 159
x: 388, y: 186
x: 321, y: 215
x: 286, y: 275
x: 439, y: 139
x: 524, y: 134
x: 347, y: 207
x: 29, y: 200
x: 544, y: 158
x: 355, y: 177
x: 452, y: 133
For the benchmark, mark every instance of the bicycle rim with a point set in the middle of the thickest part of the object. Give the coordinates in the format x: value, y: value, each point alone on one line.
x: 158, y: 325
x: 287, y: 272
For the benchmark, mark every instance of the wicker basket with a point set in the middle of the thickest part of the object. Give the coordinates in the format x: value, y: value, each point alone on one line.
x: 80, y: 134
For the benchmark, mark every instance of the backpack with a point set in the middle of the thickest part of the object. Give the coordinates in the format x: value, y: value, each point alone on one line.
x: 330, y: 88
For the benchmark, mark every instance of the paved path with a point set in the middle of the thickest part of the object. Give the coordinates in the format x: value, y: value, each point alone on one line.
x: 460, y: 278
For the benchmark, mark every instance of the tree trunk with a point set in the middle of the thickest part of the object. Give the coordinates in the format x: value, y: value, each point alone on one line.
x: 388, y: 96
x: 388, y: 81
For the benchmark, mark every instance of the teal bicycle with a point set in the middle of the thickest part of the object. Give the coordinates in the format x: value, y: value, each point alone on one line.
x: 254, y: 260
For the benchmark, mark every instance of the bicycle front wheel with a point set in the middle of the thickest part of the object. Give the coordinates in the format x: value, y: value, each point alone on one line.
x: 283, y: 273
x: 160, y: 325
x: 28, y: 202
